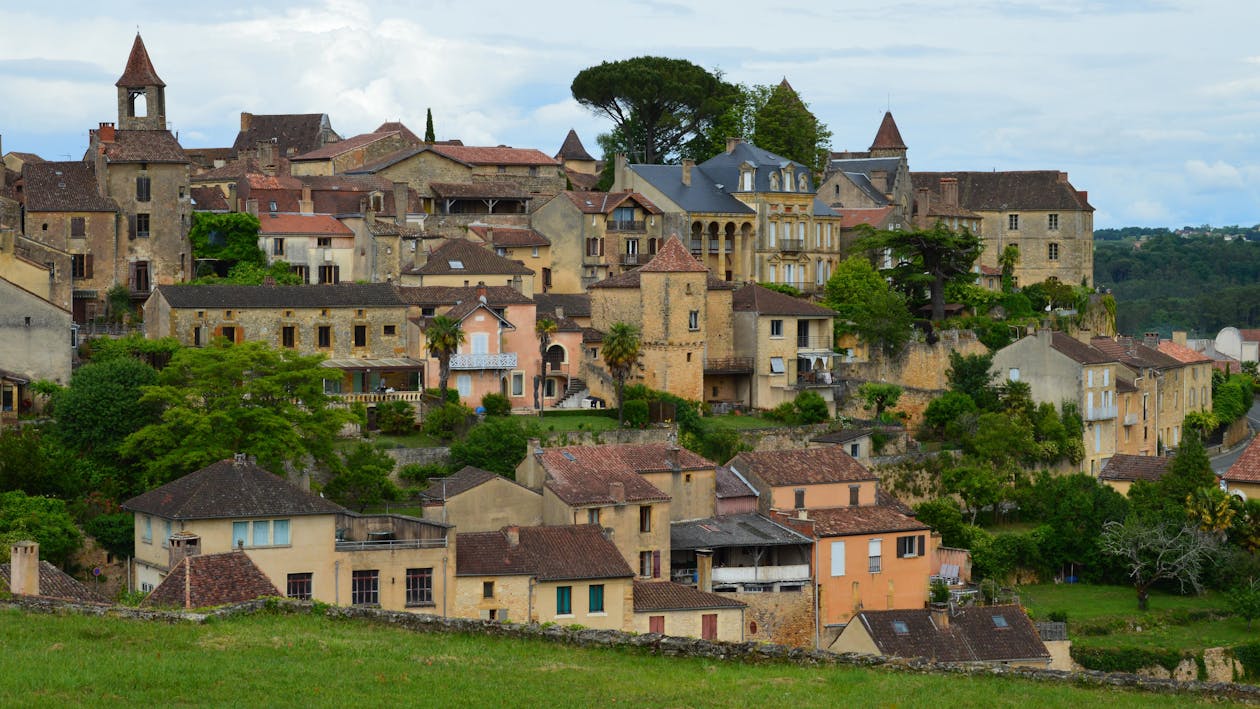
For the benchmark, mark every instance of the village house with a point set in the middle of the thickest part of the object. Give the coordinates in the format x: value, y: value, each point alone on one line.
x: 1124, y: 469
x: 1243, y: 477
x: 476, y: 500
x: 38, y: 344
x: 1002, y: 635
x: 460, y: 262
x: 596, y: 235
x: 788, y: 342
x: 26, y: 574
x: 1160, y: 382
x: 669, y: 608
x: 291, y: 133
x: 526, y: 246
x: 202, y: 581
x: 318, y: 247
x: 306, y: 546
x: 349, y: 153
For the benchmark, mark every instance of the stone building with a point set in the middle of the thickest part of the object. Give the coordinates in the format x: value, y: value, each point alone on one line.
x: 462, y: 263
x: 38, y: 344
x: 876, y: 179
x: 348, y: 154
x: 788, y: 342
x: 595, y: 235
x: 526, y: 246
x: 291, y: 133
x: 1164, y: 385
x: 581, y: 169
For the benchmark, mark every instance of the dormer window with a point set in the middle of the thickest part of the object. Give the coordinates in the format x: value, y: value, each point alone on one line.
x: 746, y: 180
x: 787, y: 180
x: 774, y: 182
x: 802, y: 184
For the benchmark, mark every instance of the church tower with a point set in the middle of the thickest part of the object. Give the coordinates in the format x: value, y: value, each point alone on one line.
x: 141, y: 93
x: 888, y: 142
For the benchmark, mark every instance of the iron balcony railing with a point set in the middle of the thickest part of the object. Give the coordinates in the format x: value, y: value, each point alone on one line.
x: 625, y: 225
x: 389, y: 544
x: 503, y: 360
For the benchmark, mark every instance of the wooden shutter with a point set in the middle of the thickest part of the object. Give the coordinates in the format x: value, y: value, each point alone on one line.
x: 131, y: 273
x: 837, y: 558
x: 922, y: 545
x: 131, y: 226
x: 87, y: 266
x: 656, y: 564
x: 656, y: 624
x: 708, y: 626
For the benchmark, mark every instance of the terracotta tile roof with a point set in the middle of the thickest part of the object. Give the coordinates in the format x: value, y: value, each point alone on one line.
x: 863, y: 519
x: 339, y: 295
x: 382, y: 227
x: 341, y: 147
x: 606, y: 202
x: 673, y: 257
x: 260, y: 181
x: 572, y: 148
x: 466, y: 479
x: 851, y: 218
x: 63, y: 187
x: 580, y: 475
x: 478, y: 190
x: 1134, y: 467
x: 139, y: 71
x: 582, y: 180
x: 808, y: 466
x: 212, y: 580
x: 727, y: 485
x: 1078, y: 351
x: 752, y: 298
x: 1181, y: 353
x: 25, y: 157
x: 1134, y: 353
x: 653, y: 596
x: 300, y: 132
x: 990, y: 270
x: 401, y: 129
x: 501, y: 155
x: 549, y: 553
x: 972, y: 634
x: 144, y: 146
x: 55, y: 583
x: 575, y: 305
x: 451, y: 295
x: 509, y: 237
x: 208, y: 199
x: 473, y: 260
x: 275, y: 223
x: 229, y: 488
x: 1010, y: 191
x: 888, y: 137
x: 1247, y: 468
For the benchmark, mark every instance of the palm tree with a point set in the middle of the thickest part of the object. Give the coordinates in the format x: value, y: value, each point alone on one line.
x: 443, y: 337
x: 621, y: 353
x: 544, y: 328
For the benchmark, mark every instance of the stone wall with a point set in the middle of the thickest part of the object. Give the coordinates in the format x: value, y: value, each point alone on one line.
x: 780, y: 618
x: 752, y: 652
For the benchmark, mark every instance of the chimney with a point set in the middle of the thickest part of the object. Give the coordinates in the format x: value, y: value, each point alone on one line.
x: 363, y: 208
x: 687, y: 164
x: 1151, y: 339
x: 671, y: 456
x: 306, y: 205
x: 490, y: 235
x: 802, y: 514
x: 939, y: 613
x: 731, y: 143
x: 1063, y: 178
x: 98, y: 165
x: 513, y: 534
x: 949, y: 190
x: 704, y: 570
x: 251, y: 206
x: 617, y: 491
x: 239, y: 460
x: 106, y: 133
x: 619, y: 166
x: 879, y: 178
x: 481, y: 291
x: 24, y: 569
x: 922, y: 205
x: 1083, y: 195
x: 1179, y: 337
x: 517, y: 284
x: 559, y: 312
x: 231, y: 198
x: 530, y: 471
x: 182, y: 546
x: 400, y: 203
x: 266, y: 151
x: 246, y: 120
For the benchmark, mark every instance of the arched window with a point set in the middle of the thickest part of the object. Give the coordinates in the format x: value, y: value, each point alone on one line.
x: 802, y: 183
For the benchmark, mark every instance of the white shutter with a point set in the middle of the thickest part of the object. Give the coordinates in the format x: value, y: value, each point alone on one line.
x: 876, y: 545
x: 480, y: 343
x: 837, y: 558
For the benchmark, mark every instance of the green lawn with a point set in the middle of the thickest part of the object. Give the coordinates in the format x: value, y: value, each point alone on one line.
x: 1086, y: 601
x: 304, y: 660
x: 565, y: 424
x: 742, y: 422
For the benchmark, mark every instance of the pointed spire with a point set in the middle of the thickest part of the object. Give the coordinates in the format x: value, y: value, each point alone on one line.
x: 572, y: 149
x: 888, y: 137
x: 139, y: 71
x: 673, y: 257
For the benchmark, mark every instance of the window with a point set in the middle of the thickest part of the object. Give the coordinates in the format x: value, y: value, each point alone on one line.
x: 299, y: 586
x: 1012, y: 222
x: 501, y: 169
x: 78, y: 227
x: 1089, y: 378
x: 142, y: 225
x: 773, y: 234
x: 596, y: 604
x: 228, y: 333
x: 288, y: 336
x: 776, y: 365
x: 272, y: 206
x: 419, y: 587
x: 855, y: 449
x: 564, y: 600
x: 324, y: 336
x: 693, y: 320
x: 487, y: 589
x: 911, y: 546
x: 798, y: 498
x: 855, y: 492
x: 262, y: 533
x: 1052, y: 251
x: 302, y: 272
x: 592, y: 515
x: 1106, y: 376
x: 837, y: 558
x: 81, y: 266
x: 365, y: 589
x: 389, y: 330
x: 776, y: 328
x: 1013, y: 374
x: 874, y: 551
x: 518, y: 384
x: 1052, y: 221
x: 323, y: 242
x: 330, y: 273
x: 999, y: 621
x: 277, y: 247
x: 240, y: 534
x: 144, y: 189
x: 463, y: 383
x: 147, y: 537
x: 360, y: 335
x: 280, y: 532
x: 645, y: 518
x: 650, y: 564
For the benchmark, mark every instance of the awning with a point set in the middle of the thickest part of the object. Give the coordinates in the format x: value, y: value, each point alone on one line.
x: 393, y: 363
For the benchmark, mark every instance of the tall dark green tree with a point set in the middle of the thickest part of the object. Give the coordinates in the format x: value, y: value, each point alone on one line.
x: 429, y: 135
x: 928, y: 258
x: 784, y: 125
x: 231, y: 238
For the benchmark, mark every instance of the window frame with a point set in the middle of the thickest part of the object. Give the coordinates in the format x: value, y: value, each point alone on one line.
x: 365, y: 587
x: 323, y: 337
x: 645, y: 519
x: 564, y: 600
x: 300, y: 586
x: 595, y: 599
x: 776, y: 328
x: 419, y: 587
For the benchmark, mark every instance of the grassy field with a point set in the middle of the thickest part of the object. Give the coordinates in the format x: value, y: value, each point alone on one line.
x: 285, y: 660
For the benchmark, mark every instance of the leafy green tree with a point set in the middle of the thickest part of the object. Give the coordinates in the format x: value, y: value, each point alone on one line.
x: 810, y: 407
x: 785, y: 126
x: 946, y: 409
x: 230, y: 237
x: 362, y: 479
x: 396, y: 417
x: 116, y: 532
x: 880, y: 397
x: 1001, y: 442
x: 247, y: 273
x: 442, y: 337
x: 447, y: 421
x: 929, y: 258
x: 944, y: 516
x: 38, y: 519
x: 971, y: 375
x: 979, y: 486
x: 1211, y: 510
x: 1008, y: 260
x: 867, y: 307
x: 104, y: 405
x: 621, y: 351
x: 429, y: 135
x: 498, y: 444
x: 229, y: 398
x: 1158, y: 551
x: 1188, y: 471
x: 1074, y: 508
x: 496, y: 405
x: 37, y: 464
x: 1244, y: 601
x: 657, y: 104
x: 738, y: 120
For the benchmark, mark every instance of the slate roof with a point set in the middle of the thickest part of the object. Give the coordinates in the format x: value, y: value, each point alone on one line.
x: 742, y: 530
x: 807, y: 466
x: 888, y: 137
x: 576, y: 305
x: 1134, y: 353
x: 572, y: 148
x: 500, y: 155
x: 1078, y: 351
x: 1124, y: 386
x: 341, y: 147
x: 1010, y: 190
x: 724, y: 168
x: 451, y: 295
x: 702, y: 195
x: 208, y: 199
x: 158, y: 146
x: 580, y: 475
x: 339, y: 295
x: 509, y: 237
x: 478, y: 190
x: 727, y: 484
x: 863, y: 166
x: 589, y: 202
x: 212, y: 580
x: 655, y: 596
x: 299, y: 131
x: 63, y: 187
x: 55, y: 583
x: 972, y: 634
x: 549, y: 553
x: 842, y: 436
x: 476, y: 260
x: 753, y: 298
x: 1247, y: 468
x: 229, y: 488
x: 323, y: 224
x: 1181, y: 353
x: 1130, y: 468
x: 863, y: 519
x: 139, y: 71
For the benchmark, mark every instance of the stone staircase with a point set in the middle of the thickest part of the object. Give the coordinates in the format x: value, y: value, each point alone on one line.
x: 573, y: 394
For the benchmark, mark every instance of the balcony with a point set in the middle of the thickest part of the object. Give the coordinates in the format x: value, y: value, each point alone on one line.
x: 376, y: 397
x: 633, y: 259
x: 1131, y: 419
x: 814, y: 342
x: 791, y: 245
x: 1100, y: 413
x: 760, y: 574
x: 817, y: 379
x: 503, y: 360
x: 387, y: 532
x: 622, y: 225
x: 728, y: 365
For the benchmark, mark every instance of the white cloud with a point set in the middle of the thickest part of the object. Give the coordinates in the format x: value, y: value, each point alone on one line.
x: 1217, y: 175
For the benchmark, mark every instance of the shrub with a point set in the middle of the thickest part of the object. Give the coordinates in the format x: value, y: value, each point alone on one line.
x: 635, y: 413
x: 396, y: 417
x: 417, y: 473
x: 498, y: 445
x: 785, y: 412
x: 1127, y: 659
x: 452, y: 395
x: 496, y: 405
x: 447, y: 420
x: 810, y: 407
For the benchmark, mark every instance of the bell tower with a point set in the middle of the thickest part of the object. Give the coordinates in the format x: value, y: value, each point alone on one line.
x: 141, y: 93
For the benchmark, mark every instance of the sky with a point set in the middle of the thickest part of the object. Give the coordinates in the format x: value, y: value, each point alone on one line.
x: 1152, y: 106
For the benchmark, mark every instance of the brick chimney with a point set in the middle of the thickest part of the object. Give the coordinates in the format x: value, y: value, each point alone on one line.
x: 939, y: 613
x: 266, y: 151
x: 306, y: 205
x: 671, y: 457
x: 513, y: 534
x: 687, y: 164
x: 481, y: 291
x: 731, y: 143
x: 400, y: 203
x: 704, y: 570
x: 24, y: 569
x: 1151, y: 339
x: 617, y: 491
x: 246, y: 120
x: 106, y: 133
x: 182, y: 546
x: 922, y: 205
x: 949, y: 191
